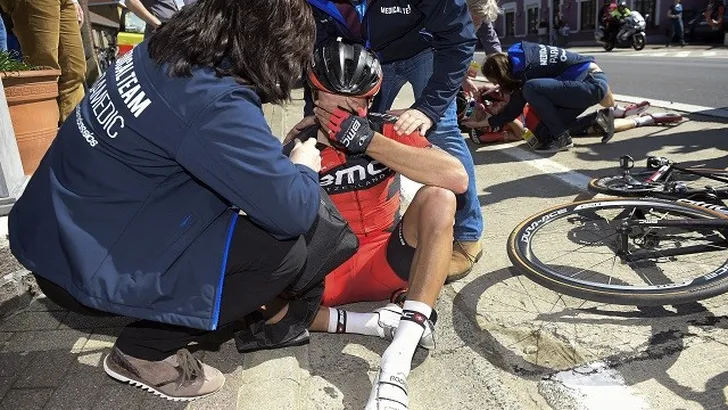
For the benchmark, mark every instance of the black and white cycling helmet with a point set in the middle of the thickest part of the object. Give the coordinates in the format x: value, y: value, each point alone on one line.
x: 345, y: 68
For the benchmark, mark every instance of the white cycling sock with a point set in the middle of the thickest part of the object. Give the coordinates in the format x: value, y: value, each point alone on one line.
x: 342, y: 321
x: 398, y: 356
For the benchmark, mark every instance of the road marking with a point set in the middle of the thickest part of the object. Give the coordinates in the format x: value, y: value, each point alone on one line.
x: 409, y: 188
x: 545, y: 165
x: 596, y: 386
x: 663, y: 54
x: 672, y: 105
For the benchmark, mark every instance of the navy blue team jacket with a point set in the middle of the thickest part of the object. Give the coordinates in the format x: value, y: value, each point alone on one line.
x: 400, y: 29
x: 133, y: 207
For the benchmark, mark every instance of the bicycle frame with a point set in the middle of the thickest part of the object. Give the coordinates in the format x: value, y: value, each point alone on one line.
x: 666, y: 171
x: 627, y: 227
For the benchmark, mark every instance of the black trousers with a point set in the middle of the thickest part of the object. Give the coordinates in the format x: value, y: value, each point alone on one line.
x: 260, y: 267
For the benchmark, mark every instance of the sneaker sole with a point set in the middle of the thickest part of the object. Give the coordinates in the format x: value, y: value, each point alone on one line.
x: 150, y: 389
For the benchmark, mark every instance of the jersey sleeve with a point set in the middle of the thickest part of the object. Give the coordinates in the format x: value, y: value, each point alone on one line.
x: 414, y: 139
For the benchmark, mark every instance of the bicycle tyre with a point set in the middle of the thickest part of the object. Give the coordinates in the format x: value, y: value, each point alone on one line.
x: 614, y: 184
x: 519, y: 252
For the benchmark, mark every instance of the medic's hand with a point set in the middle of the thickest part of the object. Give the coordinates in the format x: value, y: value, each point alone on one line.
x: 306, y: 153
x: 345, y: 129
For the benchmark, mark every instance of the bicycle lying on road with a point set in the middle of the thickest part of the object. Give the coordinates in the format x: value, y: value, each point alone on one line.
x: 670, y: 248
x: 664, y: 179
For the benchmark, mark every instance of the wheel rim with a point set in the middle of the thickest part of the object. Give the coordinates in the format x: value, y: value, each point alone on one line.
x: 580, y: 248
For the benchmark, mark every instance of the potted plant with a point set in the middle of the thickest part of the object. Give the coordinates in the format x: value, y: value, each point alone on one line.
x: 31, y: 94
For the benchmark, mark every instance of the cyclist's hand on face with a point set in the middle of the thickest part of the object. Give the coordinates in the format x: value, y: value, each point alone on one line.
x: 346, y: 130
x: 306, y: 153
x: 302, y: 125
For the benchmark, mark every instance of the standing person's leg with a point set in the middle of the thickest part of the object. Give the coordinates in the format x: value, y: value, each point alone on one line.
x: 152, y: 354
x: 71, y: 59
x: 680, y: 28
x: 36, y: 25
x: 446, y: 134
x: 670, y: 33
x: 3, y: 36
x: 392, y: 83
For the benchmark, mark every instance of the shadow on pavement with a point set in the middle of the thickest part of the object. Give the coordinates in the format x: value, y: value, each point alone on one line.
x: 550, y: 323
x: 52, y: 359
x: 539, y: 185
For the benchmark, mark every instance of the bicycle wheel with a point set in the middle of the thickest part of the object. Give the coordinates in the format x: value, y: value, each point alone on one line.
x: 636, y: 186
x: 574, y: 249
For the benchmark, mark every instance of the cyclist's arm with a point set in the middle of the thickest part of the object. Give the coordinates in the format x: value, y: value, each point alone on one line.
x: 416, y: 159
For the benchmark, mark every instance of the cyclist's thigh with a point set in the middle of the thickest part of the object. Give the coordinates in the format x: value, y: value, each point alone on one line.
x: 367, y: 276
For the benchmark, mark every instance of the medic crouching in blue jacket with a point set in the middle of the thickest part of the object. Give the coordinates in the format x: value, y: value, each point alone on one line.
x: 135, y: 208
x: 428, y: 43
x: 557, y: 84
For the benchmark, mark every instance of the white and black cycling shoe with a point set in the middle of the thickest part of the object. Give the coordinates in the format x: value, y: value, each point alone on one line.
x: 389, y: 392
x: 388, y: 322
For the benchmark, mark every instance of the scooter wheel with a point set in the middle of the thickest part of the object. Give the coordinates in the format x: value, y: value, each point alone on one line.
x: 638, y: 43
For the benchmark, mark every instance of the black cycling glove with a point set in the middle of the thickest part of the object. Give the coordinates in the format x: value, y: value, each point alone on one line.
x: 349, y: 131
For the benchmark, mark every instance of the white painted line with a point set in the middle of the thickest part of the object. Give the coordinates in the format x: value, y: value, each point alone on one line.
x: 545, y: 165
x: 709, y: 53
x: 682, y: 54
x: 672, y: 105
x: 663, y: 54
x: 595, y: 386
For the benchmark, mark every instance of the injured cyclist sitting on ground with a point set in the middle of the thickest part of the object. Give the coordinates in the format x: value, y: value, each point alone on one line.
x: 361, y: 158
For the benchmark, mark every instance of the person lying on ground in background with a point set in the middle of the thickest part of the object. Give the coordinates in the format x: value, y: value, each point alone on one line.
x: 589, y: 124
x: 361, y: 157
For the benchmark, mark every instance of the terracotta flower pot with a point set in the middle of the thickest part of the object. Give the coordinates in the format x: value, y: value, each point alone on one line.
x: 33, y: 107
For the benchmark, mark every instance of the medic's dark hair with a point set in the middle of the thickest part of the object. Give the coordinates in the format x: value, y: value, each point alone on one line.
x: 265, y: 44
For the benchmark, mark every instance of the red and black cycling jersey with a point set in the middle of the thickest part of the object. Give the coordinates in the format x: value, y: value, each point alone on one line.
x: 364, y: 190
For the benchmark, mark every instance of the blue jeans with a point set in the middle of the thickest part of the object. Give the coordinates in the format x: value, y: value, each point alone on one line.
x: 417, y: 71
x: 676, y: 29
x: 557, y: 103
x: 3, y: 36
